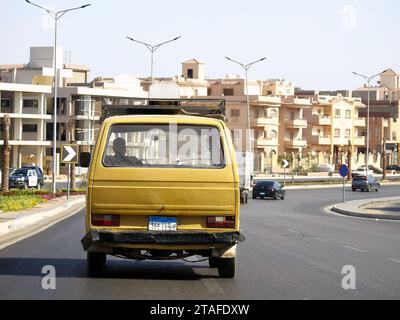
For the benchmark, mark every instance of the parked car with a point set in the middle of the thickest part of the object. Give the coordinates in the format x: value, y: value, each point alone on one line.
x: 325, y: 168
x: 39, y: 173
x: 268, y: 188
x: 367, y: 183
x: 24, y: 178
x: 361, y: 172
x: 393, y: 167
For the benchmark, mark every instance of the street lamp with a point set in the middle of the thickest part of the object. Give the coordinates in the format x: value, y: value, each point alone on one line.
x: 368, y: 79
x: 246, y: 67
x: 152, y: 49
x: 55, y: 15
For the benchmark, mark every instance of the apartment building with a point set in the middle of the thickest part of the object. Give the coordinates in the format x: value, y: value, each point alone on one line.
x: 26, y: 94
x: 335, y: 125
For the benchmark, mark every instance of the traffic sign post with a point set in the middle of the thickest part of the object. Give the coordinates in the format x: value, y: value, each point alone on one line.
x: 344, y: 171
x: 285, y: 164
x: 69, y: 154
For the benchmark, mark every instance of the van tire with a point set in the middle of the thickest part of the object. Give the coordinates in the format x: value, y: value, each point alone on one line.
x: 96, y: 262
x: 213, y: 262
x: 226, y: 267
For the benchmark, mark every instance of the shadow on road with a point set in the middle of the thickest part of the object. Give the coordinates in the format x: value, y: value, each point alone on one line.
x: 115, y: 269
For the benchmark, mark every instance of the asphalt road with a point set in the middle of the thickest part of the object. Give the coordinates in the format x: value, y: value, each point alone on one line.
x: 294, y: 250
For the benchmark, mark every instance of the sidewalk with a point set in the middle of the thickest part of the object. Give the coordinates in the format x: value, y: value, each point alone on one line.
x: 18, y: 223
x: 379, y: 208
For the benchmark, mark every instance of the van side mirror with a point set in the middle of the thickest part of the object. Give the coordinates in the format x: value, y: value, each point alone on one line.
x: 84, y: 159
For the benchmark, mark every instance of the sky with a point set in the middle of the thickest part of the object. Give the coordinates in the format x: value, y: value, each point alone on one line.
x: 316, y: 44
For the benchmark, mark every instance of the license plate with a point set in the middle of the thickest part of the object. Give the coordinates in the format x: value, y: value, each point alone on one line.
x: 158, y: 223
x: 262, y: 193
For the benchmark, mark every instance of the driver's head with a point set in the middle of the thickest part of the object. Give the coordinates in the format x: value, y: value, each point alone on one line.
x: 119, y: 146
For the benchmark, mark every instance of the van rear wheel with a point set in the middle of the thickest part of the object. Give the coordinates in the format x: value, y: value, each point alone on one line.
x: 226, y: 267
x: 95, y: 263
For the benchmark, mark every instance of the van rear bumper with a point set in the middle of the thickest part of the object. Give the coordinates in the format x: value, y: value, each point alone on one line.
x: 157, y: 237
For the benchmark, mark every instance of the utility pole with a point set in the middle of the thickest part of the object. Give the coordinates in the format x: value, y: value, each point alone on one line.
x: 349, y: 156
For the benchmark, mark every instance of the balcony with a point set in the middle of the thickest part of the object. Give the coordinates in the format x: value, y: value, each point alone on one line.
x: 321, y: 120
x: 264, y: 142
x: 321, y: 140
x: 359, y: 122
x: 341, y: 141
x: 296, y: 123
x: 262, y: 122
x: 295, y: 143
x: 359, y: 141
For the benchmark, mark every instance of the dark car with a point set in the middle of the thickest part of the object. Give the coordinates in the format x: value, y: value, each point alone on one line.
x: 268, y: 189
x: 39, y: 174
x: 24, y: 178
x: 367, y: 183
x: 393, y: 167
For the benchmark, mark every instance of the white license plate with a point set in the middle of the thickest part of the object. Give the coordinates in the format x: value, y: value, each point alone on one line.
x: 262, y: 193
x: 158, y: 223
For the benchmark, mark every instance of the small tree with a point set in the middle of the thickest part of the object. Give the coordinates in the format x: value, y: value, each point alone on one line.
x: 5, y: 153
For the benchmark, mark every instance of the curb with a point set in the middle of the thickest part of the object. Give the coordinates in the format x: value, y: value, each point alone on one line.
x: 331, y: 186
x: 341, y: 208
x: 16, y: 224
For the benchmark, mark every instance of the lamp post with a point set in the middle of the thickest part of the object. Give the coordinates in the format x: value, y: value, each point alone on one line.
x: 152, y: 49
x: 246, y: 68
x: 56, y: 16
x: 368, y: 79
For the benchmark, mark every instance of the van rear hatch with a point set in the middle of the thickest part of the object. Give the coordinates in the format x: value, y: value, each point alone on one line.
x: 160, y: 177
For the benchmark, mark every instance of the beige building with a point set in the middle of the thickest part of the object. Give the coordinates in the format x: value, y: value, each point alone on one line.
x: 334, y: 125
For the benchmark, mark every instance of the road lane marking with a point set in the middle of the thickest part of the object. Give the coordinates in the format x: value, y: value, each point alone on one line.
x: 354, y: 248
x: 393, y: 260
x: 319, y: 239
x: 291, y: 230
x: 213, y: 286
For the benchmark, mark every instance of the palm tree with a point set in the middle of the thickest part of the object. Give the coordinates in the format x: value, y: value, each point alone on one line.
x: 5, y: 153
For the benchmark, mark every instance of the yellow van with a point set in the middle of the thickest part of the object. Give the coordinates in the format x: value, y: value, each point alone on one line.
x: 162, y: 187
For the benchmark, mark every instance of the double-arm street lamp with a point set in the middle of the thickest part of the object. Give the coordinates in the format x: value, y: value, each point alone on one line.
x: 56, y: 16
x: 246, y: 68
x: 368, y: 80
x: 152, y: 49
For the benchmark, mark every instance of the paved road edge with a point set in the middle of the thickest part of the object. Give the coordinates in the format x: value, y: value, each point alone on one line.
x: 355, y: 208
x: 38, y: 222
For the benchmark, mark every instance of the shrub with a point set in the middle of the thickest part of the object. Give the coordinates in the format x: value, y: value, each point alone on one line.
x: 19, y: 202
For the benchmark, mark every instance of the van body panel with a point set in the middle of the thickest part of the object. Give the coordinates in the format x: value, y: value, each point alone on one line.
x: 189, y: 194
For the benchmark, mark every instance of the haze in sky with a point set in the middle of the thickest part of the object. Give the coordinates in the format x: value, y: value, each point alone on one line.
x: 316, y: 44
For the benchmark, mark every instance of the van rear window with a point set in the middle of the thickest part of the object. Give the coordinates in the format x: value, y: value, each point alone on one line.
x: 163, y: 145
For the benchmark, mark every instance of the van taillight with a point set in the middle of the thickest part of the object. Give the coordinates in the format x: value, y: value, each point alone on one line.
x: 106, y: 220
x: 220, y: 222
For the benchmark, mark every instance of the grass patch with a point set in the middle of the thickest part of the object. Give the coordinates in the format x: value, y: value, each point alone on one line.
x: 19, y: 202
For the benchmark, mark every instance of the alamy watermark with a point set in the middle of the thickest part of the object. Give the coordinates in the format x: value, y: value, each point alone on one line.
x: 49, y: 278
x: 349, y: 280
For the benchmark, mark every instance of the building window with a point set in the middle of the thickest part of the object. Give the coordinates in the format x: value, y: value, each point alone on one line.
x: 209, y: 91
x: 348, y: 114
x: 29, y: 103
x: 5, y: 103
x: 337, y: 113
x: 29, y: 127
x: 273, y: 113
x: 273, y: 134
x: 190, y: 73
x: 228, y: 91
x: 235, y: 112
x: 347, y: 133
x: 337, y: 133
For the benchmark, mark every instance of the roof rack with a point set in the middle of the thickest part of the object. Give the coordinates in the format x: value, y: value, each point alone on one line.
x: 211, y: 108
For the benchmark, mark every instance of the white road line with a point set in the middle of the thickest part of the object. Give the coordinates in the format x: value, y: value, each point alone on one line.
x: 393, y: 260
x: 213, y: 286
x: 291, y: 230
x: 353, y: 248
x: 319, y: 239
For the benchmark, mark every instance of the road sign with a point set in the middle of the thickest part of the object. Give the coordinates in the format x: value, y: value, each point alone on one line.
x: 344, y: 170
x: 69, y: 153
x: 285, y: 163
